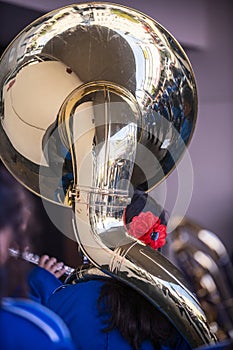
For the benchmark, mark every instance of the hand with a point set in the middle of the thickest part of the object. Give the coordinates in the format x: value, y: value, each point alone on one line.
x: 51, y: 265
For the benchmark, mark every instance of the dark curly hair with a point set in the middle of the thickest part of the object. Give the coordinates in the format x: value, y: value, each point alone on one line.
x: 135, y: 318
x: 15, y: 208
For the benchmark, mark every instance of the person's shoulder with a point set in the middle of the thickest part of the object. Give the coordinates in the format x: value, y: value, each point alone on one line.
x: 27, y: 322
x: 83, y: 284
x: 78, y: 297
x: 42, y: 283
x: 87, y: 289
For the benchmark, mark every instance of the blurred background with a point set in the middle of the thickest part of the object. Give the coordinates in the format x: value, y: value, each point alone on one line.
x: 205, y: 31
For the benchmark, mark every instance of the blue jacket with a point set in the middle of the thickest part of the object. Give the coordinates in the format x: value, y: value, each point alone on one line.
x: 77, y: 306
x: 26, y: 325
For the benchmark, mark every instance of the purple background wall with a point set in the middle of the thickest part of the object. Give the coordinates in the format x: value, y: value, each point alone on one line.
x: 205, y: 30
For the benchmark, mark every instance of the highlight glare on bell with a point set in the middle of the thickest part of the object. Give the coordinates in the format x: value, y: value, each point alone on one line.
x: 145, y: 77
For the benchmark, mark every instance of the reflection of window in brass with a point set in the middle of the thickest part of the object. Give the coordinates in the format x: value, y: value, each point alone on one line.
x: 108, y: 43
x: 98, y: 93
x: 106, y: 112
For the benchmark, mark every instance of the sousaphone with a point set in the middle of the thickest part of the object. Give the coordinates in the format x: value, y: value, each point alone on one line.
x: 91, y: 110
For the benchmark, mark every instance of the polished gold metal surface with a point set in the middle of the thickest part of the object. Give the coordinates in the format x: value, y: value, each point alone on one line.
x: 206, y: 264
x: 82, y: 44
x: 97, y: 100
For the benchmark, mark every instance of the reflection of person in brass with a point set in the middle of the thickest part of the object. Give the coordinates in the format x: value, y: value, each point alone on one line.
x: 187, y: 103
x: 24, y: 324
x: 103, y: 313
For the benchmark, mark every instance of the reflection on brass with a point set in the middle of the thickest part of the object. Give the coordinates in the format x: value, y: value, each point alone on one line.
x: 82, y: 44
x: 97, y: 100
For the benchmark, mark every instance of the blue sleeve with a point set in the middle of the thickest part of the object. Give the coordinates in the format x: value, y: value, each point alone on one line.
x: 42, y: 283
x: 27, y: 325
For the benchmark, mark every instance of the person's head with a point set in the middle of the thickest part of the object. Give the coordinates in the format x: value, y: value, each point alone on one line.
x: 14, y: 218
x: 134, y: 316
x: 14, y: 208
x: 142, y: 202
x: 187, y: 100
x: 145, y: 219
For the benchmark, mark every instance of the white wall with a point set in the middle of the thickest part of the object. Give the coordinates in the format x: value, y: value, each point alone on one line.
x: 211, y: 148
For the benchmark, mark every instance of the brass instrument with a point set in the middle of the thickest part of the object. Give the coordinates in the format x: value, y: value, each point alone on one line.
x: 203, y: 259
x: 87, y: 117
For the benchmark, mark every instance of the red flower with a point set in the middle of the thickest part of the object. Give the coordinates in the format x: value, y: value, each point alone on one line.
x: 147, y: 228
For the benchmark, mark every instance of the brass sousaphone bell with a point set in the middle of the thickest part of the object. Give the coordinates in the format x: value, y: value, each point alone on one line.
x: 92, y: 109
